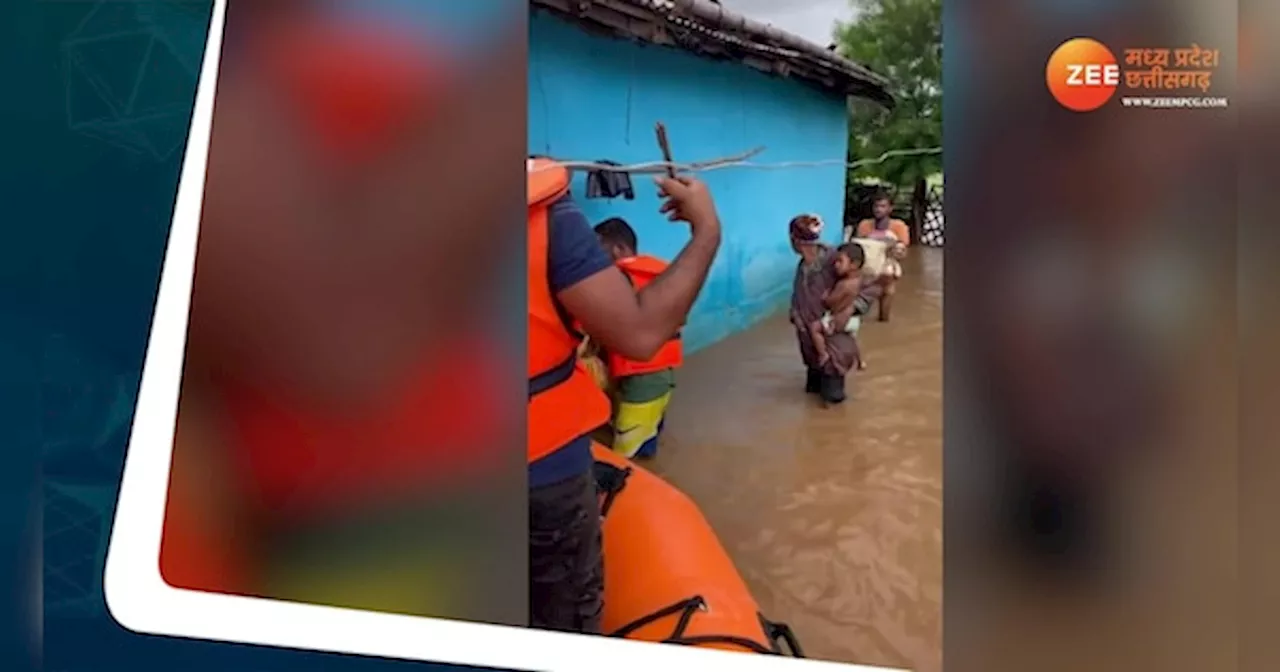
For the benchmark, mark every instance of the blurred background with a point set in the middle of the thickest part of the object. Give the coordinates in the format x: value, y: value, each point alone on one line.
x: 349, y: 429
x: 1258, y: 140
x: 1091, y: 351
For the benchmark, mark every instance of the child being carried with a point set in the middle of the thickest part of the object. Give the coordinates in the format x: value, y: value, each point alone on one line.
x: 843, y: 311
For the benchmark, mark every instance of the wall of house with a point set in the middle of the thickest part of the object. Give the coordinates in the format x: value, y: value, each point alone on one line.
x: 593, y: 98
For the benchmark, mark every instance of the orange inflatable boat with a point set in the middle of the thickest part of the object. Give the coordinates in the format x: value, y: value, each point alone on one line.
x: 667, y: 578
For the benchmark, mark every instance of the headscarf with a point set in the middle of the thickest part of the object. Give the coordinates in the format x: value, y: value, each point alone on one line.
x: 806, y: 228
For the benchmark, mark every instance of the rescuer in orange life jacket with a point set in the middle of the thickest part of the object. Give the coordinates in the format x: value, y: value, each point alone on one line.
x: 573, y: 281
x: 643, y: 387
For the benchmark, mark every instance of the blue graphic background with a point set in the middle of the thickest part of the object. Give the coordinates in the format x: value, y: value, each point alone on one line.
x: 98, y: 130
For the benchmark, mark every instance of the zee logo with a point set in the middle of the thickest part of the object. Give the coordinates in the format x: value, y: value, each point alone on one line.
x: 1093, y: 75
x: 1082, y: 74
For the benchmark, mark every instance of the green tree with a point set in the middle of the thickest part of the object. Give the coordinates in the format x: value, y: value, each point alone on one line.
x: 901, y: 40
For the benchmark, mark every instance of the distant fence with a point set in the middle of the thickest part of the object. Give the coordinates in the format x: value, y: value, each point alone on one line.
x: 929, y: 231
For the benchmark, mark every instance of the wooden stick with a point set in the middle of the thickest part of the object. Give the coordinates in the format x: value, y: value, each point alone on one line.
x: 665, y: 146
x: 655, y: 167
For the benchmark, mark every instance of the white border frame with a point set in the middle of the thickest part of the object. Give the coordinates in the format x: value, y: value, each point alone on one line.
x: 139, y: 599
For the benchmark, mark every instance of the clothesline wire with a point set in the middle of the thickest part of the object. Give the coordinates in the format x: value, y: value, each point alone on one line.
x: 737, y: 161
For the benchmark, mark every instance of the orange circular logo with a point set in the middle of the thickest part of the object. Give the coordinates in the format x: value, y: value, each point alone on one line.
x: 1082, y: 74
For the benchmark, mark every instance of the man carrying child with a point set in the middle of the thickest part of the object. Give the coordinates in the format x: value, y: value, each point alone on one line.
x: 896, y: 236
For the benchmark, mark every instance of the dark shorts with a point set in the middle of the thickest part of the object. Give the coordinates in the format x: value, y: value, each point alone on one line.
x: 862, y: 304
x: 566, y: 558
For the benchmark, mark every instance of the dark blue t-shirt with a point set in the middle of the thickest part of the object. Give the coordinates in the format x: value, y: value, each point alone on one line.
x: 574, y: 254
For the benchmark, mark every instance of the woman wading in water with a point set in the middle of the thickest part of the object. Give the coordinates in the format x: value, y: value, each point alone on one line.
x: 815, y: 276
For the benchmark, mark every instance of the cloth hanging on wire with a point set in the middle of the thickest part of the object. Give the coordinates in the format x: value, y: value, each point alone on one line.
x: 609, y: 184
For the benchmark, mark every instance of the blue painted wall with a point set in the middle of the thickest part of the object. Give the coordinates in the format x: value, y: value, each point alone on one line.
x: 594, y: 98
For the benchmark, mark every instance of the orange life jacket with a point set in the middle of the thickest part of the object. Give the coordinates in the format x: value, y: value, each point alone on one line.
x: 564, y: 401
x: 641, y: 270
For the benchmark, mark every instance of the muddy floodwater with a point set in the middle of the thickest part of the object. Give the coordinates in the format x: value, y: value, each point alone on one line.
x: 834, y: 516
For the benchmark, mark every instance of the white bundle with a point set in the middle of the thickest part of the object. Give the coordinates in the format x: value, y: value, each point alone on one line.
x: 877, y: 255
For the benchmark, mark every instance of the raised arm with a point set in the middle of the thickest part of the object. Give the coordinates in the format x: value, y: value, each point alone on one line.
x: 611, y: 312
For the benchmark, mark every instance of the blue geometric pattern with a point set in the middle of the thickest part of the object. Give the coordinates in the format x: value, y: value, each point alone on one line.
x: 85, y: 407
x: 129, y: 72
x: 128, y: 67
x: 109, y: 87
x: 76, y: 519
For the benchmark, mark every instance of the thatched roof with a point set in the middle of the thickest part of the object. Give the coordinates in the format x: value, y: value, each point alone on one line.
x: 705, y: 28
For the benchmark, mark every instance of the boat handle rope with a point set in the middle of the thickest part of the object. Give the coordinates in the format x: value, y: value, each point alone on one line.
x: 688, y: 608
x: 611, y: 481
x: 781, y: 633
